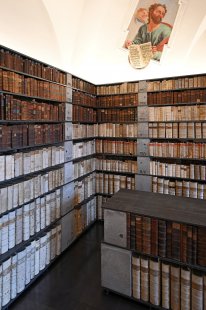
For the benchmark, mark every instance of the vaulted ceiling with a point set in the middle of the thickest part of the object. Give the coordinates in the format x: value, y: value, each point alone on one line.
x: 85, y: 37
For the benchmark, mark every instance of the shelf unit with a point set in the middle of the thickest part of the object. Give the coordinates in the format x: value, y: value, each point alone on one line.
x: 116, y: 142
x: 154, y: 249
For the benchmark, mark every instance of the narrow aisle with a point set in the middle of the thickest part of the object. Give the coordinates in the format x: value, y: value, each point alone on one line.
x: 74, y: 281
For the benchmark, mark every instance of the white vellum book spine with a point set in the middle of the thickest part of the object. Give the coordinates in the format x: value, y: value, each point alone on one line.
x: 5, y: 234
x: 3, y: 199
x: 19, y: 225
x: 26, y: 230
x: 43, y: 242
x: 32, y: 218
x: 33, y: 249
x: 2, y: 168
x: 12, y: 229
x: 48, y: 209
x: 48, y: 248
x: 1, y: 285
x: 43, y: 212
x: 6, y: 281
x: 58, y: 203
x: 28, y: 264
x: 15, y: 195
x: 13, y: 276
x: 37, y: 258
x: 38, y: 215
x: 21, y: 271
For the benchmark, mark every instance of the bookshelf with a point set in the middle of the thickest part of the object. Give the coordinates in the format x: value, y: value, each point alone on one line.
x: 116, y: 143
x: 154, y: 249
x: 171, y: 132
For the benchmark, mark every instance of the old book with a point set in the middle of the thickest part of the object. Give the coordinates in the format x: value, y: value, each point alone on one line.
x: 21, y: 269
x: 32, y: 259
x: 197, y: 291
x: 185, y: 289
x: 165, y: 285
x: 154, y: 282
x: 42, y: 253
x: 140, y: 55
x: 201, y: 245
x: 26, y: 229
x: 144, y: 271
x: 4, y: 233
x: 175, y: 288
x: 2, y: 168
x: 136, y: 277
x: 176, y: 240
x: 162, y: 238
x: 12, y: 229
x: 139, y: 233
x: 6, y: 281
x: 28, y: 264
x: 169, y: 239
x: 13, y: 276
x: 37, y: 257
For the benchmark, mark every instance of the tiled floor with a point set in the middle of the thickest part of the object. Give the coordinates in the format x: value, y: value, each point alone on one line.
x: 74, y: 281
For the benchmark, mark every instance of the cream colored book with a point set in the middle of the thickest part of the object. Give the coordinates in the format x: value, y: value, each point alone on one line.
x: 21, y: 270
x: 6, y: 282
x: 2, y: 168
x: 13, y: 276
x: 12, y: 229
x: 140, y: 55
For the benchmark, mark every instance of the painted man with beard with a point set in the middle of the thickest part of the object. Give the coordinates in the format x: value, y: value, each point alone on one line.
x: 155, y: 31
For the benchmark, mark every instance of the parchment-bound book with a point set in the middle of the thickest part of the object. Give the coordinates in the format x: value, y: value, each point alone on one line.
x: 28, y: 264
x: 53, y: 207
x: 37, y: 257
x: 185, y: 289
x: 27, y: 190
x: 58, y: 242
x: 61, y: 154
x: 32, y: 218
x: 58, y: 203
x: 32, y: 160
x: 12, y: 229
x: 19, y: 225
x: 43, y: 212
x: 42, y: 253
x: 37, y: 160
x: 197, y: 291
x: 13, y: 276
x: 54, y: 156
x: 48, y: 209
x: 33, y: 250
x: 26, y: 163
x: 53, y: 242
x: 175, y: 288
x: 136, y: 277
x: 26, y: 224
x: 140, y: 55
x: 37, y: 214
x: 144, y: 267
x: 21, y: 193
x: 2, y: 168
x: 21, y: 270
x: 3, y: 199
x: 9, y: 167
x: 5, y: 234
x: 44, y: 183
x: 15, y: 195
x: 48, y: 247
x: 10, y: 197
x: 165, y: 285
x: 6, y: 282
x: 45, y: 159
x: 37, y: 186
x: 155, y: 282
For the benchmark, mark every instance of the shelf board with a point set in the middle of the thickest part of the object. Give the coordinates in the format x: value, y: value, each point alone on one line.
x: 30, y: 97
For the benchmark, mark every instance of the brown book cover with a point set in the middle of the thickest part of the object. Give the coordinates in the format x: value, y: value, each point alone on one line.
x: 176, y: 240
x: 154, y: 236
x: 146, y: 235
x: 139, y: 234
x: 162, y: 238
x: 169, y: 239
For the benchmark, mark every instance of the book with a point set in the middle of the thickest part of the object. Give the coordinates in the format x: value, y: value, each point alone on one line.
x: 136, y: 277
x: 140, y: 55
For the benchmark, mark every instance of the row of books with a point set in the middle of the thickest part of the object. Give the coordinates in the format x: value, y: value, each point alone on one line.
x: 16, y: 109
x: 101, y: 200
x: 177, y: 113
x: 186, y: 96
x: 83, y: 85
x: 116, y: 147
x: 189, y: 171
x: 21, y: 224
x: 111, y: 115
x: 179, y: 188
x: 183, y: 130
x: 20, y: 63
x: 177, y: 83
x: 17, y: 136
x: 84, y: 189
x: 130, y: 87
x: 80, y: 98
x: 117, y: 130
x: 179, y: 150
x: 178, y: 241
x: 167, y: 285
x: 18, y: 270
x: 84, y: 216
x: 18, y: 83
x: 81, y: 149
x: 81, y: 114
x: 83, y: 131
x: 83, y: 167
x: 116, y: 165
x: 22, y: 163
x: 17, y: 194
x: 110, y: 183
x: 117, y: 101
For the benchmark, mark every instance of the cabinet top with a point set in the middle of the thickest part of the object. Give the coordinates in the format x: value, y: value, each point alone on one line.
x: 179, y: 209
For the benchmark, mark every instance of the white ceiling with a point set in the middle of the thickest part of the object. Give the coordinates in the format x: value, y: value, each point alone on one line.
x: 84, y: 37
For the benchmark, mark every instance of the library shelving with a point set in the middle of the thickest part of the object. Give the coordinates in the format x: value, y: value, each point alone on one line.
x: 154, y: 249
x: 116, y: 143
